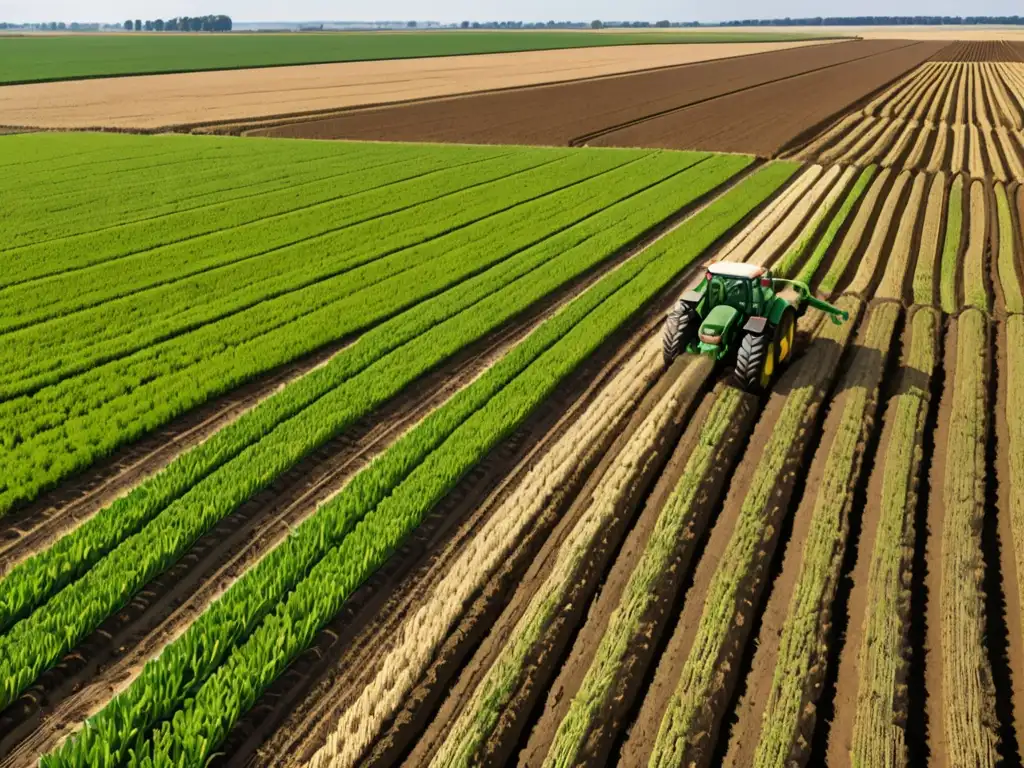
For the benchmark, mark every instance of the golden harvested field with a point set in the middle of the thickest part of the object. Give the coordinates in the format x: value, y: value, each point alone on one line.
x: 159, y: 101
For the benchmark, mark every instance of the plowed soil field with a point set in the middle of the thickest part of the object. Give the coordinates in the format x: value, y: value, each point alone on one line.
x: 705, y: 96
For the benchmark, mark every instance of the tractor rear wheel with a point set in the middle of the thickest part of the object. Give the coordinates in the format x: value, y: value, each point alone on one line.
x: 756, y: 361
x: 680, y: 329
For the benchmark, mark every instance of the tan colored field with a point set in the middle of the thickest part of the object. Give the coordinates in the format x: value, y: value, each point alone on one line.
x: 161, y: 101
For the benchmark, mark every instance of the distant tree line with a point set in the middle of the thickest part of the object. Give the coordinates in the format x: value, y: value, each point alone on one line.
x: 60, y: 26
x: 869, y: 21
x: 218, y: 23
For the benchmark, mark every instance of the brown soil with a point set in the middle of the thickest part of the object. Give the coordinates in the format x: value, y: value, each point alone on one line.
x: 766, y: 120
x: 151, y: 102
x: 933, y: 558
x: 561, y: 114
x: 866, y: 370
x: 643, y: 648
x: 976, y: 50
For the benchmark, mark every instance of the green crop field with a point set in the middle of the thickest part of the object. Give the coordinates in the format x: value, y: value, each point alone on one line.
x: 66, y: 57
x: 145, y: 275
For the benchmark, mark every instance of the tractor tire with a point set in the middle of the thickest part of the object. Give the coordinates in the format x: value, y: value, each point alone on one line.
x: 785, y: 337
x: 680, y: 328
x: 756, y: 361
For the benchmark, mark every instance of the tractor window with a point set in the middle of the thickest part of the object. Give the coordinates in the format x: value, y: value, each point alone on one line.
x: 726, y: 291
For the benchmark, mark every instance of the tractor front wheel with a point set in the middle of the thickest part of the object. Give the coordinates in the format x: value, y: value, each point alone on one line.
x: 680, y: 329
x: 756, y: 361
x: 785, y: 336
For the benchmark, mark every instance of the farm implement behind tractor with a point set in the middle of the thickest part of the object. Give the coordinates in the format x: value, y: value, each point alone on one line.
x: 740, y: 311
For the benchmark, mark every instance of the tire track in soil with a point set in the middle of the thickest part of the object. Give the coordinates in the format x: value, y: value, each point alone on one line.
x: 870, y: 370
x: 107, y: 660
x: 635, y: 747
x: 55, y: 513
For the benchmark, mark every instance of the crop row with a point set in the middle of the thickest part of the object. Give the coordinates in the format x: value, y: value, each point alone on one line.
x: 968, y: 693
x: 280, y: 285
x: 620, y: 487
x: 664, y: 559
x: 788, y: 718
x: 191, y: 179
x: 364, y: 175
x: 883, y: 654
x: 549, y: 483
x: 217, y: 669
x: 65, y: 427
x: 692, y: 716
x: 1013, y: 375
x: 389, y: 211
x: 942, y: 116
x: 210, y: 481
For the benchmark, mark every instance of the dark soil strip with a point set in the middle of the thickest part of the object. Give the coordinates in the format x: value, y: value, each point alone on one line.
x: 1002, y: 609
x: 769, y: 119
x: 557, y: 114
x: 581, y: 141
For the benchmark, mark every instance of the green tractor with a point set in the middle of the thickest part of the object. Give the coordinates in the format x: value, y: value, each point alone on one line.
x: 740, y: 310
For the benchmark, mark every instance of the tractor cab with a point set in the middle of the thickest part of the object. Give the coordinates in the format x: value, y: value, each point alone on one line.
x: 731, y: 291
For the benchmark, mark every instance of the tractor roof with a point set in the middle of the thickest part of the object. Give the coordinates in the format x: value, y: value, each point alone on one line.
x: 736, y: 269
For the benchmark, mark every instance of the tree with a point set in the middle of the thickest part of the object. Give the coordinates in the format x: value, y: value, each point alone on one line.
x: 411, y: 25
x: 138, y: 25
x: 596, y: 24
x: 128, y: 25
x: 147, y: 25
x: 663, y: 23
x: 158, y: 25
x: 465, y: 25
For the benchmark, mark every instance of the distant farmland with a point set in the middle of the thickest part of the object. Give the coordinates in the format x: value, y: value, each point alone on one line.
x: 60, y: 57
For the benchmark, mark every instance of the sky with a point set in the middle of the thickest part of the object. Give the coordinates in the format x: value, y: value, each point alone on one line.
x: 484, y: 10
